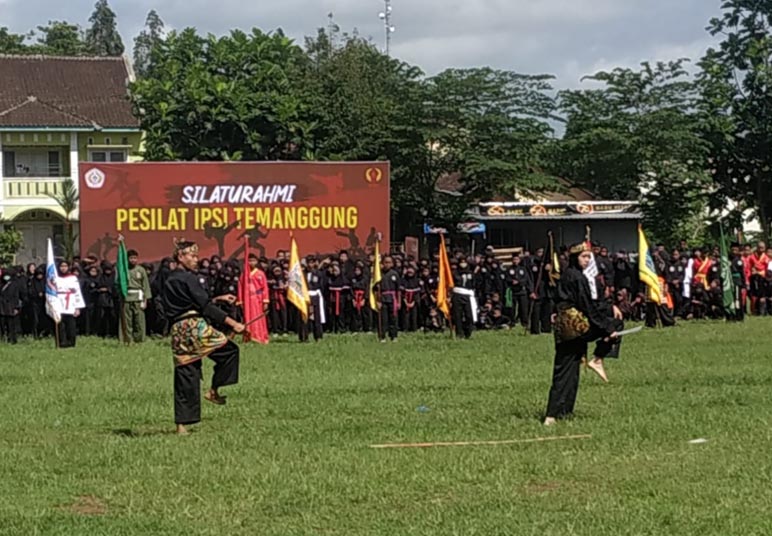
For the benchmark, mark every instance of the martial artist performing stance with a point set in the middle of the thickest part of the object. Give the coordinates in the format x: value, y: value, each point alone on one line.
x: 190, y: 312
x: 579, y: 321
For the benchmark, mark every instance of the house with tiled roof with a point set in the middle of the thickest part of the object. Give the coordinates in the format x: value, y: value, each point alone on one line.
x: 56, y: 112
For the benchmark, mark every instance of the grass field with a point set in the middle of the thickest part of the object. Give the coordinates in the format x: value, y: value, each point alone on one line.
x: 86, y: 449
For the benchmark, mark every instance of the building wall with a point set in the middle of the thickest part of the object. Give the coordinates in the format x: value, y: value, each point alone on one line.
x: 103, y: 140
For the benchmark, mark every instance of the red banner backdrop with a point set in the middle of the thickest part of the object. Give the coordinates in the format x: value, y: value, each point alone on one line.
x: 328, y: 207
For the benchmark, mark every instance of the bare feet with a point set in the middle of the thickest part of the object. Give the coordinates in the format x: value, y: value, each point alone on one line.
x: 550, y: 421
x: 596, y: 365
x: 214, y: 397
x: 181, y: 430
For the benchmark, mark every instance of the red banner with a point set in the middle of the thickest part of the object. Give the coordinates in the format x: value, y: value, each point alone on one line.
x: 328, y: 207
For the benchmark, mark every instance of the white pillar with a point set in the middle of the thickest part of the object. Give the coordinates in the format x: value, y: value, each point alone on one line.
x: 74, y: 175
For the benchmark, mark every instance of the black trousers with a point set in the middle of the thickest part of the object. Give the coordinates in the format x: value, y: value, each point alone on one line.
x: 540, y: 316
x: 389, y: 321
x: 520, y: 309
x: 565, y: 372
x: 68, y: 331
x: 279, y: 319
x: 463, y: 318
x: 187, y: 379
x: 314, y: 322
x: 410, y: 318
x: 9, y: 328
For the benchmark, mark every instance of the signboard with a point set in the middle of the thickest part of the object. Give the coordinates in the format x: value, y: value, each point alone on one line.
x: 473, y: 227
x: 535, y: 210
x: 328, y: 207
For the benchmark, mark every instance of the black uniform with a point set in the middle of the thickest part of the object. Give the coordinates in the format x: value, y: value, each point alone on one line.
x: 339, y: 290
x: 675, y: 275
x: 390, y: 301
x: 10, y: 306
x: 520, y: 287
x: 315, y: 280
x: 463, y: 302
x: 411, y: 290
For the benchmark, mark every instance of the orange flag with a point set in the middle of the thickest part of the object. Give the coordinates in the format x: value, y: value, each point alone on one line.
x: 445, y: 284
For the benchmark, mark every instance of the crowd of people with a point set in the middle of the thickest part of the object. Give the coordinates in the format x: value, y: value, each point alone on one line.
x: 490, y: 293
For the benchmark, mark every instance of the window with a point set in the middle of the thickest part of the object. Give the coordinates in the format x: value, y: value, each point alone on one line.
x: 54, y: 167
x: 124, y: 141
x: 107, y: 156
x: 108, y: 141
x: 9, y: 163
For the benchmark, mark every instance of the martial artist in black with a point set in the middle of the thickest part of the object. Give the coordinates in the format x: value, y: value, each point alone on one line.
x: 360, y: 285
x: 316, y: 282
x: 579, y: 321
x: 190, y: 312
x: 411, y: 289
x: 339, y: 290
x: 389, y: 293
x: 675, y: 275
x: 10, y: 305
x: 463, y: 300
x: 520, y: 288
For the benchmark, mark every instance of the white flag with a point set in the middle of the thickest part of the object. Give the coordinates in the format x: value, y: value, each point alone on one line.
x: 53, y: 303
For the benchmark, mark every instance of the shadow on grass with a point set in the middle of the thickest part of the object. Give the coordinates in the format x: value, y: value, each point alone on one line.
x: 134, y: 434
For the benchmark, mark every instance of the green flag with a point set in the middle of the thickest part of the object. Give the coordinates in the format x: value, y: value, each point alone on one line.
x: 122, y: 270
x: 726, y: 276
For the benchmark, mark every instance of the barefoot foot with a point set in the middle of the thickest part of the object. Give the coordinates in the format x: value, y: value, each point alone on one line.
x: 596, y: 365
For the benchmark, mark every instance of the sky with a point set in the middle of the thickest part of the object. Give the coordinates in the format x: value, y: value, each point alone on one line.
x: 565, y: 38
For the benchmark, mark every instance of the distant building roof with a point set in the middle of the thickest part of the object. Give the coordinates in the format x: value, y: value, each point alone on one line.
x: 451, y: 184
x: 65, y: 92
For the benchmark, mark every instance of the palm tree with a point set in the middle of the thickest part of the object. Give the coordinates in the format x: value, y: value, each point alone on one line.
x: 67, y: 199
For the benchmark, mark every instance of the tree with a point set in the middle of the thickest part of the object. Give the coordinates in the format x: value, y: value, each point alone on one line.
x: 144, y: 44
x: 229, y: 98
x: 11, y: 43
x: 60, y: 38
x: 102, y: 38
x: 487, y: 126
x: 736, y: 81
x: 67, y: 199
x: 639, y: 137
x: 10, y: 244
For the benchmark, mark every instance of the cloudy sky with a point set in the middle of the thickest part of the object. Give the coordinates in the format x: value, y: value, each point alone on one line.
x: 567, y: 38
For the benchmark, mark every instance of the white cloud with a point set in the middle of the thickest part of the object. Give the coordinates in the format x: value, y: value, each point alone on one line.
x: 568, y: 38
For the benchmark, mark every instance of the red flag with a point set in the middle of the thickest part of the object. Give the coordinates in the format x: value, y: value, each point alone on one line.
x: 244, y: 296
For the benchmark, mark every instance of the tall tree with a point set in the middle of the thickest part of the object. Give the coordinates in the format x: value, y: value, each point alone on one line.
x: 639, y: 137
x: 11, y: 43
x: 60, y: 38
x: 228, y: 98
x: 147, y: 40
x: 102, y: 38
x: 736, y: 84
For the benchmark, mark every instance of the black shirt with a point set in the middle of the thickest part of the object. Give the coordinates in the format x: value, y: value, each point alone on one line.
x: 183, y: 293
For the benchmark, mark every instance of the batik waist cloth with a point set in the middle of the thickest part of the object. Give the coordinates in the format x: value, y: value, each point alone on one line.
x: 193, y: 339
x: 570, y: 323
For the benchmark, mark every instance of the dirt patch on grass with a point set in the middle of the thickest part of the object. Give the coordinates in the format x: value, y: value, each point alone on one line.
x: 537, y: 488
x: 86, y: 505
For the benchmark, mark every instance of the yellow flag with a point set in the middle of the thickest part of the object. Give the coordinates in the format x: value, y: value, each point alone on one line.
x: 647, y: 272
x: 297, y: 288
x: 375, y: 277
x: 445, y: 283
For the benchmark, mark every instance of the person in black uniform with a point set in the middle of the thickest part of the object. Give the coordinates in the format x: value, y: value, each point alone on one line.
x: 520, y: 287
x: 411, y: 290
x: 674, y: 275
x: 315, y: 279
x: 579, y: 321
x: 360, y: 285
x: 463, y: 300
x: 90, y: 289
x: 389, y: 292
x: 339, y: 289
x: 190, y: 311
x: 10, y: 305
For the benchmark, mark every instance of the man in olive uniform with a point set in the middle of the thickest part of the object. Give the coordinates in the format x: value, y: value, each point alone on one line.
x: 136, y: 301
x: 738, y: 281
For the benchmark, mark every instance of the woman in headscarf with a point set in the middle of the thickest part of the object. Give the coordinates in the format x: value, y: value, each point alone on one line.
x: 579, y: 320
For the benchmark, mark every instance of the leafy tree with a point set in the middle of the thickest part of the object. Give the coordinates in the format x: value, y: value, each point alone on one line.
x: 60, y: 38
x: 10, y: 244
x: 11, y: 43
x: 227, y: 98
x: 68, y: 199
x: 639, y: 137
x: 147, y: 40
x: 102, y: 38
x: 736, y: 82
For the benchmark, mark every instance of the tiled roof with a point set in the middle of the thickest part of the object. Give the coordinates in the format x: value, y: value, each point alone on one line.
x: 69, y: 92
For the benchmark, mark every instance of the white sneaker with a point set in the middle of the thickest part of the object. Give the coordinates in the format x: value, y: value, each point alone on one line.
x: 550, y: 421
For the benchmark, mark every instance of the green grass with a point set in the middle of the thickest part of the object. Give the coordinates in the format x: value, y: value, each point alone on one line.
x: 289, y: 453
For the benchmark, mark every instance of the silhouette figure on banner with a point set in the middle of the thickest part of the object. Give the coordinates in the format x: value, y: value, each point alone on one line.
x: 255, y: 236
x: 213, y: 232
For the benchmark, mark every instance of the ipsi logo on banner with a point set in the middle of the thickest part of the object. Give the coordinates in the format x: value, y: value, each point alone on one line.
x: 95, y: 178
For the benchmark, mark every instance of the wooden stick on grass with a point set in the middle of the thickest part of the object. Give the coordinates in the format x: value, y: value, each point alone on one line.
x: 476, y: 443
